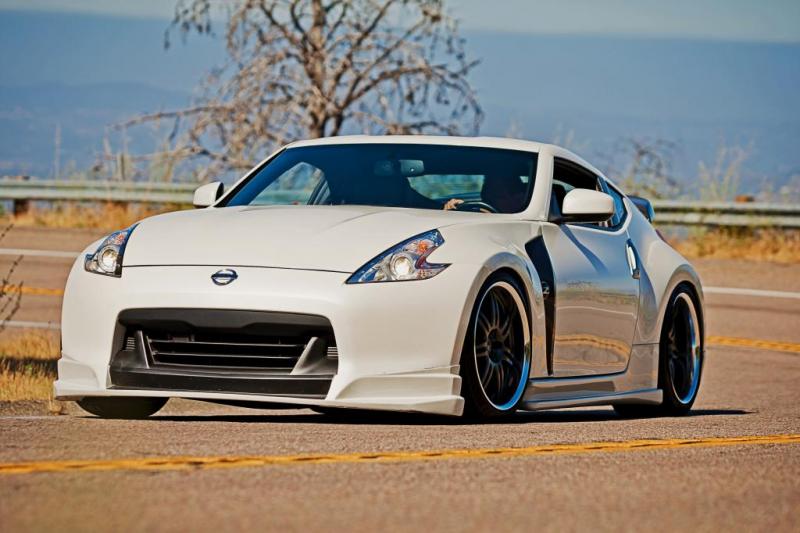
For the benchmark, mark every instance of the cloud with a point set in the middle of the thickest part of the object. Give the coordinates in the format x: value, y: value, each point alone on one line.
x: 734, y: 20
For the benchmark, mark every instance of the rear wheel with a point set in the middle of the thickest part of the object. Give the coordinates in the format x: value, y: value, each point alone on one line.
x: 496, y: 358
x: 680, y: 359
x: 124, y: 408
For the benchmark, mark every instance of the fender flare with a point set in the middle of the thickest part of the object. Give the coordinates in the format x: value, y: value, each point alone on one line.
x: 522, y: 269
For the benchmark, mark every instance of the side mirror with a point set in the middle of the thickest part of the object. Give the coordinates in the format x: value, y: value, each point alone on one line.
x: 644, y: 206
x: 208, y: 194
x: 586, y: 205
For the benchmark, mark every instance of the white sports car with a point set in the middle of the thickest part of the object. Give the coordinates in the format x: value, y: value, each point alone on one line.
x: 401, y: 273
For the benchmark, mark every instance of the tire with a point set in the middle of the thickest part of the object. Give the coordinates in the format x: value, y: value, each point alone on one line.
x: 122, y: 408
x: 496, y: 357
x: 680, y: 359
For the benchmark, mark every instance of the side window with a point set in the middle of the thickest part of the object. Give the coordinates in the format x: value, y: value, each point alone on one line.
x: 295, y: 186
x: 567, y: 176
x: 619, y: 206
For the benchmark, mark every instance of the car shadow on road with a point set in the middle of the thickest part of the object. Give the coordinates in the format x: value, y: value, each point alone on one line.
x: 349, y: 417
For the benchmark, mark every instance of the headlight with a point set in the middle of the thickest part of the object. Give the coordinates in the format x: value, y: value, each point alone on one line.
x: 403, y: 262
x: 107, y: 259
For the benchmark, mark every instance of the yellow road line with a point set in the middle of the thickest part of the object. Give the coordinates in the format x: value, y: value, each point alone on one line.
x: 37, y: 291
x: 754, y: 343
x: 214, y: 462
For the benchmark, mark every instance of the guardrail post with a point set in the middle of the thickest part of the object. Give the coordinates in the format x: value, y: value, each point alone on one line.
x: 20, y: 206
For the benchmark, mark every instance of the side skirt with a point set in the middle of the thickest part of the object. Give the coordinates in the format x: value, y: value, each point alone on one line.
x: 637, y: 384
x: 652, y: 397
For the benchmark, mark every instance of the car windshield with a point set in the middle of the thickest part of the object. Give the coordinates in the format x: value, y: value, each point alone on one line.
x: 394, y: 175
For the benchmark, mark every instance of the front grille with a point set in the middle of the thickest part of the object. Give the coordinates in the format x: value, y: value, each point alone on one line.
x: 228, y: 340
x: 219, y: 350
x: 225, y: 350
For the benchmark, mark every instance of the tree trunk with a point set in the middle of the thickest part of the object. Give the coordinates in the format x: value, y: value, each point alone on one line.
x: 316, y: 70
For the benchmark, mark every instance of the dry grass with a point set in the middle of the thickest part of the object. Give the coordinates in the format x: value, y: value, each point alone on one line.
x: 107, y: 216
x: 28, y: 366
x: 777, y: 246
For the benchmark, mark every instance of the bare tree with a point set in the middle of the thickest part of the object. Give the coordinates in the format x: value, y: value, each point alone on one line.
x: 313, y: 68
x: 720, y: 181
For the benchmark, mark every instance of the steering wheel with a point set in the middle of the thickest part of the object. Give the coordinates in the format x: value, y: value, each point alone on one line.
x: 475, y: 206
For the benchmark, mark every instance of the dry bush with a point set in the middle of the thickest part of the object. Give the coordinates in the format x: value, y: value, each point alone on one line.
x: 107, y: 216
x: 25, y: 381
x: 28, y: 365
x: 774, y: 245
x: 643, y: 167
x: 720, y: 182
x: 10, y: 293
x: 37, y: 344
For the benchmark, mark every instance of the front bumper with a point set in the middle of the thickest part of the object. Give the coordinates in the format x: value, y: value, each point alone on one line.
x: 398, y: 343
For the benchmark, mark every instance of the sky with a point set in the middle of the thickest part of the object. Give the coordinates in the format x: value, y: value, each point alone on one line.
x: 701, y: 74
x: 733, y: 20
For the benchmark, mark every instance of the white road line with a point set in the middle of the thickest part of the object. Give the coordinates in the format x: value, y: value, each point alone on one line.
x: 752, y: 292
x: 38, y: 253
x: 31, y: 325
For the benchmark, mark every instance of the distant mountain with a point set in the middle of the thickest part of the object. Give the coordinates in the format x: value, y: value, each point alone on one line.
x: 31, y: 115
x: 83, y: 72
x: 124, y: 97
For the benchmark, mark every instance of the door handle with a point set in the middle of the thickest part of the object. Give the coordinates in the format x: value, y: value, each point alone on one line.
x: 633, y: 259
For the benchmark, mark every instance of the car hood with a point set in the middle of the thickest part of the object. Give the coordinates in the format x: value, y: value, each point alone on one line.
x: 337, y: 238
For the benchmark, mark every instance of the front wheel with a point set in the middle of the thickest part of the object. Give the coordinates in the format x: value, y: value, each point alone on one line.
x: 496, y: 358
x: 680, y: 359
x: 122, y: 408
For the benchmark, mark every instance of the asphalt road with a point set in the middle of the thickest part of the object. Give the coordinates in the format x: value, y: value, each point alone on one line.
x: 202, y: 467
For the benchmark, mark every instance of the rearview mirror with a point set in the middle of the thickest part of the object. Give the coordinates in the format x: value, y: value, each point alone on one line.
x: 586, y: 205
x: 208, y: 194
x: 406, y: 168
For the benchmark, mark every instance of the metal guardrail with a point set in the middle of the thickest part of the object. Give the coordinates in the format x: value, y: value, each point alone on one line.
x: 668, y: 212
x: 96, y: 191
x: 730, y: 214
